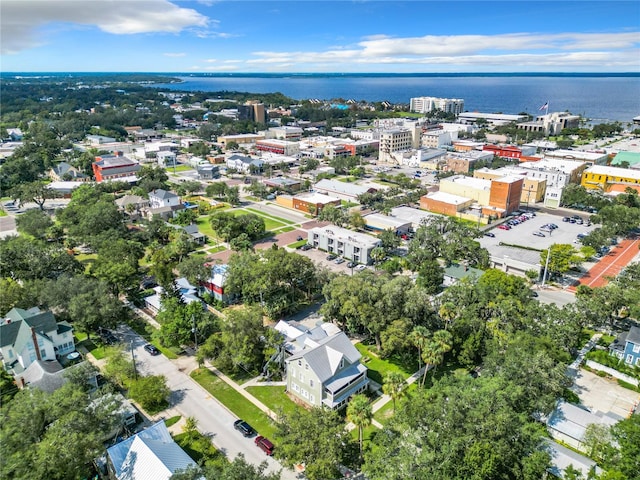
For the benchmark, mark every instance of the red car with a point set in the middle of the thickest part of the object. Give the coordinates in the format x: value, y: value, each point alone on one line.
x: 504, y: 227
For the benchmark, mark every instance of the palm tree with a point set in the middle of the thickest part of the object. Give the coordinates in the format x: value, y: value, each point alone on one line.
x: 360, y: 414
x: 430, y: 356
x: 394, y: 386
x: 443, y: 340
x: 418, y: 337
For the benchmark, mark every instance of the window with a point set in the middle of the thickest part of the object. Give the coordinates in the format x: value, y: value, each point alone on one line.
x: 629, y: 359
x: 299, y: 362
x: 312, y: 399
x: 306, y: 366
x: 636, y: 348
x: 310, y: 382
x: 296, y: 388
x: 301, y: 377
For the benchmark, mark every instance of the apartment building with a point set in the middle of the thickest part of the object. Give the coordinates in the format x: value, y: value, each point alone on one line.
x: 438, y: 138
x: 429, y: 104
x: 603, y: 178
x: 398, y: 140
x: 115, y: 167
x: 351, y: 245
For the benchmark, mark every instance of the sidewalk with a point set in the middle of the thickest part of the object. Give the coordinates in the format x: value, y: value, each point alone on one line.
x: 590, y: 344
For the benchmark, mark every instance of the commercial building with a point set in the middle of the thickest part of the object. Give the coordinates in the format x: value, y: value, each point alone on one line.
x: 412, y: 215
x: 283, y: 183
x: 244, y: 164
x: 252, y: 110
x: 351, y: 245
x: 310, y: 202
x: 630, y: 159
x: 604, y: 178
x: 463, y: 162
x: 438, y: 138
x: 591, y: 158
x: 343, y: 190
x: 429, y: 158
x: 241, y: 139
x: 115, y: 167
x: 280, y: 147
x: 557, y: 174
x: 285, y: 133
x: 429, y: 104
x: 398, y: 140
x: 501, y: 195
x: 510, y: 151
x: 378, y: 222
x: 445, y: 203
x: 491, y: 118
x: 533, y: 190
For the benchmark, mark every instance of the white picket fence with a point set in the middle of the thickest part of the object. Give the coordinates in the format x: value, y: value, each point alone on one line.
x: 611, y: 371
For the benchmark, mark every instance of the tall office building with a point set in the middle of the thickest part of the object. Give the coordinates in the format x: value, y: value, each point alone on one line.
x: 429, y: 104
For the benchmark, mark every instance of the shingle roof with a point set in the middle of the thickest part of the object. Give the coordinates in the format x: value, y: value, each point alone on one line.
x: 40, y: 321
x: 634, y: 335
x: 162, y: 194
x: 325, y: 359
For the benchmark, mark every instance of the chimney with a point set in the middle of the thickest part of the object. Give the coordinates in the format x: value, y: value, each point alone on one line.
x: 35, y: 343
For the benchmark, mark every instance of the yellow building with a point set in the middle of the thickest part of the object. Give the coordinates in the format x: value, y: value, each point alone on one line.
x: 474, y: 188
x: 533, y: 189
x: 603, y: 178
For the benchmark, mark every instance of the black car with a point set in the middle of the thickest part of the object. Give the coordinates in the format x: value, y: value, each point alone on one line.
x: 306, y: 246
x: 332, y: 256
x: 351, y: 264
x: 489, y: 234
x: 244, y: 428
x: 151, y: 349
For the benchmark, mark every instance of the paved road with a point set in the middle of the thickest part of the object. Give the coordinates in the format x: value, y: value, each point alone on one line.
x: 7, y: 226
x: 559, y: 297
x: 190, y: 399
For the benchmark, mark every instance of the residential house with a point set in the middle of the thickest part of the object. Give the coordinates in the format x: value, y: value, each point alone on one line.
x: 65, y: 172
x: 208, y: 172
x: 150, y: 454
x: 215, y: 283
x: 562, y: 457
x: 163, y: 198
x: 30, y: 335
x: 627, y: 347
x: 136, y: 201
x: 325, y: 370
x: 244, y: 164
x: 348, y: 244
x: 188, y: 294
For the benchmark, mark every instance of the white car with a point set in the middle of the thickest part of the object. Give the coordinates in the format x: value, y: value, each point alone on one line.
x: 359, y: 268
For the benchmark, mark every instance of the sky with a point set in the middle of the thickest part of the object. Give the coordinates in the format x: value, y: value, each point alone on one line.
x: 200, y: 36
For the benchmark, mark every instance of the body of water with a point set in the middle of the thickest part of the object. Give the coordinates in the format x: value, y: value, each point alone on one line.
x: 600, y: 98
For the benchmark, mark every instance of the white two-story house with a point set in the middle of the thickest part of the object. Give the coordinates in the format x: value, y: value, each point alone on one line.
x: 30, y: 335
x: 326, y: 371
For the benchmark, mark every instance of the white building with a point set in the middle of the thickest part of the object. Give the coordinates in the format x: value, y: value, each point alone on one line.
x: 438, y: 138
x: 354, y: 246
x: 398, y: 140
x: 491, y: 118
x: 342, y: 190
x: 284, y: 133
x: 429, y: 104
x: 243, y: 163
x: 556, y: 173
x: 551, y: 123
x: 162, y: 198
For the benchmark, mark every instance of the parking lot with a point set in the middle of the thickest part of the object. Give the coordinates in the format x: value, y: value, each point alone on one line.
x: 319, y: 257
x: 523, y: 234
x: 603, y: 394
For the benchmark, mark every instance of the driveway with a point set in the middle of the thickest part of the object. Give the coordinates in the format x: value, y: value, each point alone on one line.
x: 190, y: 399
x: 604, y: 395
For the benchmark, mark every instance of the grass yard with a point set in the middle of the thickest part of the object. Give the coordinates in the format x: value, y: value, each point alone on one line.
x: 273, y: 217
x: 198, y: 447
x: 367, y: 434
x: 385, y: 413
x: 205, y: 227
x: 274, y: 398
x: 179, y: 168
x: 172, y: 421
x: 240, y: 406
x: 378, y: 367
x: 297, y: 244
x: 219, y: 248
x: 3, y: 213
x: 285, y: 229
x: 269, y: 223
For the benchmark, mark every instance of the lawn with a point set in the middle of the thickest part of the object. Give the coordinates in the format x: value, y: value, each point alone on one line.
x: 285, y: 229
x: 297, y: 244
x: 219, y: 248
x: 269, y: 223
x: 3, y: 213
x: 274, y: 398
x: 205, y: 227
x: 172, y: 421
x: 179, y: 168
x: 234, y: 401
x: 378, y: 367
x: 87, y: 259
x: 385, y: 413
x: 197, y: 446
x: 273, y: 217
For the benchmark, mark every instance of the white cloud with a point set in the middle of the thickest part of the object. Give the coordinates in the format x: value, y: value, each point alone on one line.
x: 588, y: 50
x: 179, y: 54
x: 22, y: 19
x: 211, y: 60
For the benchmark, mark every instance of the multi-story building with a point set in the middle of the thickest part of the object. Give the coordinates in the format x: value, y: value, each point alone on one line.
x: 215, y: 283
x: 27, y: 336
x: 351, y: 245
x: 429, y: 104
x: 253, y: 111
x: 285, y: 133
x: 490, y: 118
x: 551, y: 123
x: 557, y: 174
x: 241, y: 139
x: 163, y: 198
x: 115, y: 167
x: 279, y: 147
x: 509, y: 151
x: 323, y: 367
x: 604, y: 178
x: 533, y: 189
x: 499, y: 196
x: 464, y: 161
x: 438, y: 138
x: 398, y: 140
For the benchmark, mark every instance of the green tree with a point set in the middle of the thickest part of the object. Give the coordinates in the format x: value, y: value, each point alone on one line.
x: 241, y: 341
x: 194, y: 270
x: 37, y: 192
x: 563, y: 257
x: 35, y: 223
x: 626, y: 434
x: 333, y: 214
x: 356, y: 221
x: 389, y: 241
x: 360, y: 414
x: 394, y: 385
x: 117, y: 264
x: 24, y: 259
x: 152, y: 178
x: 316, y: 438
x: 151, y: 392
x: 430, y: 276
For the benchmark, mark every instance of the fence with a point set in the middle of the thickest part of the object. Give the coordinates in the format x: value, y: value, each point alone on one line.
x: 611, y: 371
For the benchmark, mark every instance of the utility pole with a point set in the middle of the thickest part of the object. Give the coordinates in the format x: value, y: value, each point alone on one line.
x: 195, y: 336
x: 546, y: 266
x: 133, y: 360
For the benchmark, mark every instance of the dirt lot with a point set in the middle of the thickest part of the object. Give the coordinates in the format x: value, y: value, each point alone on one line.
x: 604, y: 395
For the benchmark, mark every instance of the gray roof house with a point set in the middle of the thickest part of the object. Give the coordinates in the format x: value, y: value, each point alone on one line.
x: 562, y: 457
x: 243, y: 163
x: 568, y: 423
x: 150, y: 454
x: 326, y: 371
x: 66, y: 172
x: 30, y: 335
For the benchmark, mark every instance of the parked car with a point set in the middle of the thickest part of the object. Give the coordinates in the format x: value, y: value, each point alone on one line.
x: 306, y: 246
x: 504, y: 227
x: 331, y: 256
x: 151, y: 349
x: 351, y: 264
x: 489, y: 234
x: 359, y: 268
x: 566, y: 219
x: 553, y: 225
x: 299, y: 238
x: 339, y: 260
x: 265, y: 445
x: 244, y: 428
x: 539, y: 234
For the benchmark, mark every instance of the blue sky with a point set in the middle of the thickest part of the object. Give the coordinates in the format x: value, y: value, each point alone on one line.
x: 309, y: 36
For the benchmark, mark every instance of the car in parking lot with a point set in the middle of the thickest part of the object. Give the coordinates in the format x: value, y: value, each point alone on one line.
x: 244, y: 428
x: 359, y: 268
x: 539, y: 234
x: 306, y: 246
x: 331, y: 256
x: 351, y: 264
x: 566, y: 219
x: 489, y: 234
x: 151, y: 349
x: 339, y: 260
x: 504, y: 227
